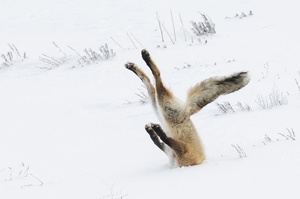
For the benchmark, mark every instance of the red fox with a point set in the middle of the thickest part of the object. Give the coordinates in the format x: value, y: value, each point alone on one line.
x: 178, y: 138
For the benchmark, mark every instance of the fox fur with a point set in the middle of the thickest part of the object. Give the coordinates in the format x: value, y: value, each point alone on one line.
x: 178, y: 137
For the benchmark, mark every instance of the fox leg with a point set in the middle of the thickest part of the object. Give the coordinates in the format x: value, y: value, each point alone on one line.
x: 162, y: 91
x: 145, y: 79
x: 177, y: 146
x: 170, y: 106
x: 155, y: 138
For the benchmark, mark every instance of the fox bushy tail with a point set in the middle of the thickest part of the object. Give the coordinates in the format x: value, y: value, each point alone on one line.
x: 210, y: 89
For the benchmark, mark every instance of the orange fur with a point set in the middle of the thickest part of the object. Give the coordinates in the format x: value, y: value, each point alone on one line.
x: 178, y: 138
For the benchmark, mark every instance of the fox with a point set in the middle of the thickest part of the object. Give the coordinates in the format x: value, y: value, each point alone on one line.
x: 177, y: 136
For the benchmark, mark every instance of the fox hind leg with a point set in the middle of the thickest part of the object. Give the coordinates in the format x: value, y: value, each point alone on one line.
x: 145, y: 79
x: 161, y: 90
x: 148, y: 60
x: 170, y: 106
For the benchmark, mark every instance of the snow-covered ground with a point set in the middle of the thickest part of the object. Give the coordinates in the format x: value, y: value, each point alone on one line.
x: 71, y: 130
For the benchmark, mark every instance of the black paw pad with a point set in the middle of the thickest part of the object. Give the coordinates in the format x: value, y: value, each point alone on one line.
x: 145, y: 55
x: 148, y: 127
x: 130, y: 66
x: 156, y: 127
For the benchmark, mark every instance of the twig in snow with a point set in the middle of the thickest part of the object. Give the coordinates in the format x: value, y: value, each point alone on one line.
x: 50, y: 60
x: 174, y: 32
x: 136, y: 40
x: 131, y: 41
x: 182, y: 27
x: 117, y: 44
x: 240, y: 150
x: 161, y: 32
x: 59, y: 49
x: 41, y: 182
x: 168, y: 33
x: 291, y: 134
x: 15, y: 50
x: 297, y: 84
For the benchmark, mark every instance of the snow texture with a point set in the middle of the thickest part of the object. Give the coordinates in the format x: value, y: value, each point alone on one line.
x: 72, y: 129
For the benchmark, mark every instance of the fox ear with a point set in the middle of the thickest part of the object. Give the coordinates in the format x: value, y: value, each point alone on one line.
x: 210, y: 89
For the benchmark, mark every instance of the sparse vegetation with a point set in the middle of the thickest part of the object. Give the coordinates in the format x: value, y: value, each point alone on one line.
x: 12, y: 56
x: 227, y: 107
x: 275, y: 98
x: 94, y: 56
x: 239, y: 150
x: 244, y: 107
x: 266, y: 70
x: 289, y: 134
x: 298, y: 86
x: 267, y: 138
x: 52, y: 60
x: 143, y: 97
x: 185, y: 66
x: 88, y: 56
x: 20, y: 173
x: 78, y: 121
x: 241, y: 16
x: 204, y: 27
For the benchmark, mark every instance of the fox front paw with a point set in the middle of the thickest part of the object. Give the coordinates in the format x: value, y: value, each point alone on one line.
x: 130, y: 66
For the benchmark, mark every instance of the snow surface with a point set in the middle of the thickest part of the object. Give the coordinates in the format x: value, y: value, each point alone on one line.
x: 78, y: 131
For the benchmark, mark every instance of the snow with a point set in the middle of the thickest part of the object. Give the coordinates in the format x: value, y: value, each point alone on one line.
x: 77, y: 131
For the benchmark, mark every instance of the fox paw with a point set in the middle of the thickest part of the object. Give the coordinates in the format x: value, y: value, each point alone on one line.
x: 146, y: 56
x: 156, y: 127
x: 130, y: 66
x: 158, y: 130
x: 148, y: 126
x: 150, y: 131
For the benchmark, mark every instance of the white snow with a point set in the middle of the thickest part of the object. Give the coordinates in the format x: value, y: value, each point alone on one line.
x: 78, y: 132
